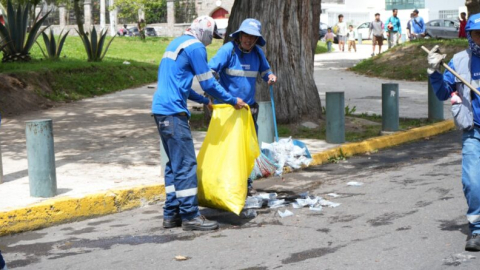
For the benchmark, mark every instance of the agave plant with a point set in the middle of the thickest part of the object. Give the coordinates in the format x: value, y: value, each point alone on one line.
x: 14, y: 33
x: 94, y: 45
x: 54, y: 49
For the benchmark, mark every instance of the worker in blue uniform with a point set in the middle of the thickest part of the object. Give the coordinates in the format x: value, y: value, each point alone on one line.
x: 239, y: 62
x: 184, y: 58
x: 466, y: 114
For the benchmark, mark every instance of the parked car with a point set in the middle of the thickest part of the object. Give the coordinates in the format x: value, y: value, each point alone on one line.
x: 447, y: 29
x: 323, y: 30
x: 133, y: 32
x: 150, y: 32
x: 222, y: 31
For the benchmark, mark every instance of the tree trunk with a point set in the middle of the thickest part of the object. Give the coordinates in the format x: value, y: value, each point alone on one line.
x: 473, y: 6
x: 291, y: 29
x: 78, y: 16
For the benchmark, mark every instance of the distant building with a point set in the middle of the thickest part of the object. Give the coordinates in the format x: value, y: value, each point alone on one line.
x: 218, y: 9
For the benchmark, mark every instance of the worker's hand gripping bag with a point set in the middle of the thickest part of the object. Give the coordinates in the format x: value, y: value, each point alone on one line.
x: 226, y: 159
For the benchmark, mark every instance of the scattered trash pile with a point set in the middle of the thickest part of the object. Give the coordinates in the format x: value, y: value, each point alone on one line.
x: 284, y: 153
x: 272, y: 200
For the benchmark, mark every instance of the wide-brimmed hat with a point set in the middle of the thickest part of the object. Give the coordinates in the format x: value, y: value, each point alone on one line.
x: 473, y: 23
x: 251, y: 27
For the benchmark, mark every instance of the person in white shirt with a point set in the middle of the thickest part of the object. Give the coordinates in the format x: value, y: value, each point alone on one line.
x: 341, y: 32
x: 351, y: 35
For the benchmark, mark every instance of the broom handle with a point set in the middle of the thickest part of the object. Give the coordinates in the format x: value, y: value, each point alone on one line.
x: 273, y: 113
x: 456, y: 74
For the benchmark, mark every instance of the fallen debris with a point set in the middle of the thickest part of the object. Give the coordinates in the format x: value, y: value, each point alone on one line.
x: 354, y: 184
x: 181, y: 258
x: 285, y: 214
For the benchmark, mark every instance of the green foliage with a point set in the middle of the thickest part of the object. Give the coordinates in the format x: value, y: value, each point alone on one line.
x: 322, y: 47
x: 94, y: 45
x: 14, y: 33
x: 185, y: 11
x: 53, y: 49
x: 340, y: 157
x: 348, y: 111
x: 156, y: 11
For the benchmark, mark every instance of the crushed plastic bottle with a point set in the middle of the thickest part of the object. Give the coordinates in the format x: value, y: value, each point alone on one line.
x: 297, y: 205
x: 317, y: 207
x: 253, y: 203
x: 248, y: 213
x: 267, y: 196
x: 329, y: 203
x: 285, y: 214
x: 276, y: 203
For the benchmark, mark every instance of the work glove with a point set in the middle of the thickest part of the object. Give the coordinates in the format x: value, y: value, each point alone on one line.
x: 435, y: 59
x: 455, y: 99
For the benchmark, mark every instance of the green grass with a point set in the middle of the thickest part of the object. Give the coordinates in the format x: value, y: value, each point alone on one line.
x: 73, y: 78
x: 407, y: 61
x: 298, y: 132
x: 322, y: 47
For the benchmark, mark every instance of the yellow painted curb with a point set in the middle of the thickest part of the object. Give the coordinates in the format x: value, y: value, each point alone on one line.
x: 65, y: 209
x: 381, y: 142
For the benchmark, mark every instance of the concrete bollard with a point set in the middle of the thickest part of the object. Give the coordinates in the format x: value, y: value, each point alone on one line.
x: 435, y: 106
x: 390, y: 107
x: 335, y: 106
x: 360, y: 39
x: 266, y: 129
x: 41, y: 158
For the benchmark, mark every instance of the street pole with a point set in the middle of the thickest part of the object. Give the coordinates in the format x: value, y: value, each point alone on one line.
x: 335, y: 106
x: 41, y: 158
x: 390, y: 107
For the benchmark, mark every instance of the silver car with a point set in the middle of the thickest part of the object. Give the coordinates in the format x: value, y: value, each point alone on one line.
x: 447, y: 29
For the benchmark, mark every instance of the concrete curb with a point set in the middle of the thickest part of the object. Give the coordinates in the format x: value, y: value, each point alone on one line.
x: 381, y: 142
x: 67, y: 209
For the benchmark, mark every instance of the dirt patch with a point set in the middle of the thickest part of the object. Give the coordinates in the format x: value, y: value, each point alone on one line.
x: 23, y: 94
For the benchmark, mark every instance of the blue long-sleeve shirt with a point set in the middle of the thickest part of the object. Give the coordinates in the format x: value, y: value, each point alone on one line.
x: 184, y: 58
x: 396, y: 24
x: 418, y: 25
x: 444, y: 85
x: 239, y: 70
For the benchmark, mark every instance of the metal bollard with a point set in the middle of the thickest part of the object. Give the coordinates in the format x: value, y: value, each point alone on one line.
x: 360, y: 39
x: 390, y: 107
x: 335, y: 103
x: 41, y: 158
x: 435, y: 106
x: 266, y: 130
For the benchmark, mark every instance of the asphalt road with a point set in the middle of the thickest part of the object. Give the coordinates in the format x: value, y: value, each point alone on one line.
x: 409, y: 214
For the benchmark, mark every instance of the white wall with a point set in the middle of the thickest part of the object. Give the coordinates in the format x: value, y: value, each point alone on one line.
x: 434, y: 6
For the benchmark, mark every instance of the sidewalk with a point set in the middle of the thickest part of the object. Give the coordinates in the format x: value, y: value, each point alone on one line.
x: 108, y: 142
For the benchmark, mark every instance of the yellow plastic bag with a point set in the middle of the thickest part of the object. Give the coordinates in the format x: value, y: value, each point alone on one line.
x: 226, y: 159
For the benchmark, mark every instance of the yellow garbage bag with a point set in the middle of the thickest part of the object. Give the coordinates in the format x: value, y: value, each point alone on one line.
x: 226, y: 159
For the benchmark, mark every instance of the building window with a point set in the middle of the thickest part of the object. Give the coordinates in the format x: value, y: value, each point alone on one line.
x: 448, y: 14
x: 404, y: 4
x: 340, y: 2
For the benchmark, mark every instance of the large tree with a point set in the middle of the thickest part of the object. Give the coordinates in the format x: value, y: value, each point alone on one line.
x: 291, y: 29
x: 473, y: 6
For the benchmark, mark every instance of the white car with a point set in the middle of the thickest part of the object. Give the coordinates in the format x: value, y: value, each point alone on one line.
x: 364, y: 29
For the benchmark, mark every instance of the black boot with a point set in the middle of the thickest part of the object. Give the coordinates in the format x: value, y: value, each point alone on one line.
x: 199, y: 224
x: 473, y: 243
x: 176, y: 221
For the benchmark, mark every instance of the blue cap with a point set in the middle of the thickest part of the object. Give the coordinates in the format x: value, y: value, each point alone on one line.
x: 473, y: 23
x: 251, y: 27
